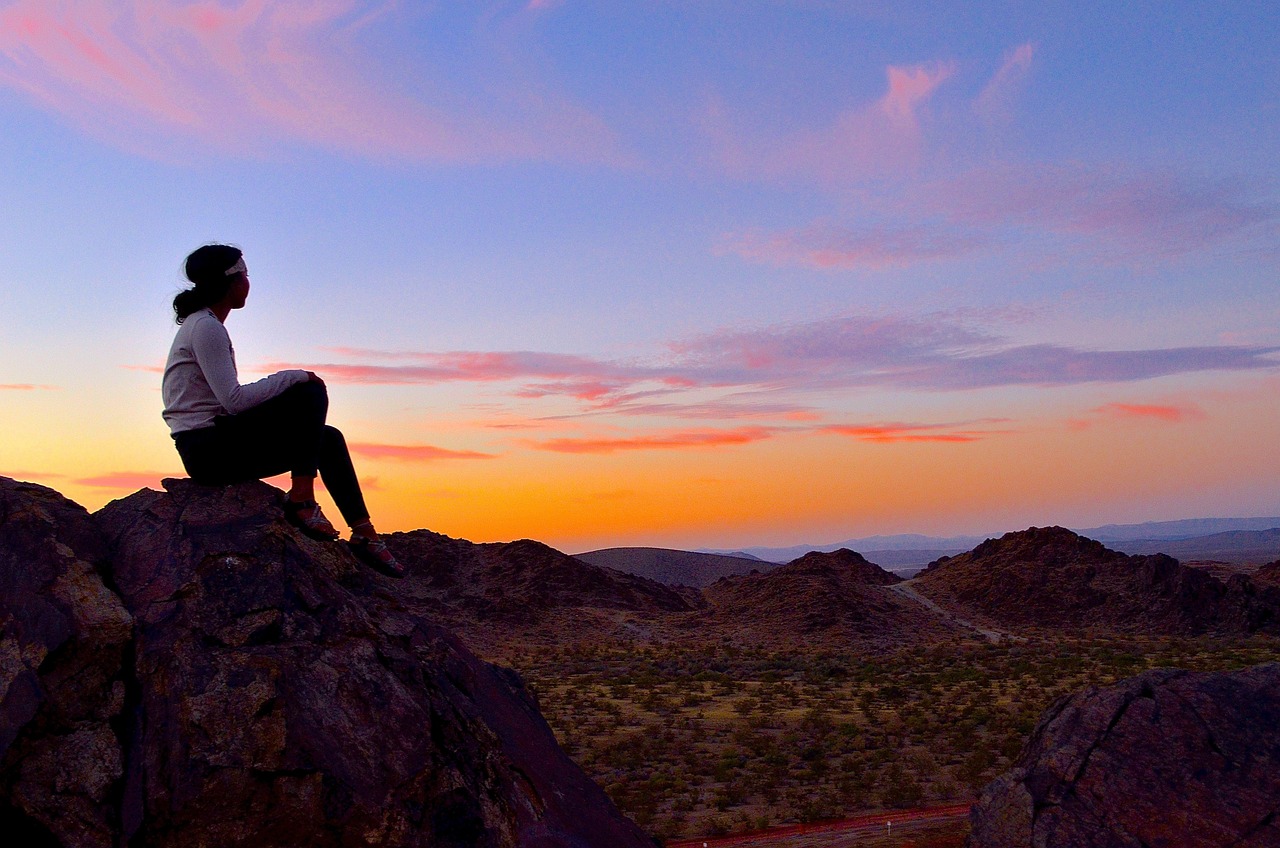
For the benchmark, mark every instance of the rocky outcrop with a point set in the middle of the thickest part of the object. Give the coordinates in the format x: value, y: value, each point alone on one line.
x: 1054, y: 579
x: 63, y: 642
x: 269, y: 692
x: 1168, y: 758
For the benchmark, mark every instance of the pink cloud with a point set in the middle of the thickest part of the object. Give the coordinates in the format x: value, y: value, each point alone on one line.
x: 1159, y: 412
x: 26, y: 387
x: 413, y: 453
x: 996, y: 98
x: 127, y: 480
x: 32, y: 475
x: 876, y: 138
x: 900, y: 432
x: 664, y: 441
x: 910, y: 87
x: 254, y: 75
x: 759, y: 365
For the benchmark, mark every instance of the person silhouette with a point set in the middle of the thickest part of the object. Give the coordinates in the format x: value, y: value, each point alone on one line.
x: 228, y: 432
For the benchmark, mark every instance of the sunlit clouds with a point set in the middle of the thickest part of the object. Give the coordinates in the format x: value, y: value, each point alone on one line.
x: 255, y: 76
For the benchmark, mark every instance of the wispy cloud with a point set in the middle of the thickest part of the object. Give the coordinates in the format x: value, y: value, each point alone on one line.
x: 126, y: 480
x: 1056, y: 210
x: 885, y: 433
x: 413, y: 453
x: 1113, y: 210
x: 682, y: 440
x: 995, y: 102
x: 1158, y: 412
x: 26, y: 387
x: 243, y: 77
x: 878, y: 137
x: 857, y: 351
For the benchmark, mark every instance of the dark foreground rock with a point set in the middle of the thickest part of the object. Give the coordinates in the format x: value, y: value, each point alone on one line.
x: 269, y: 691
x: 1168, y: 758
x: 63, y: 639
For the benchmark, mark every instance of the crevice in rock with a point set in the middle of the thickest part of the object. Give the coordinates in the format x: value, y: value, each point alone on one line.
x: 126, y: 726
x: 1204, y: 725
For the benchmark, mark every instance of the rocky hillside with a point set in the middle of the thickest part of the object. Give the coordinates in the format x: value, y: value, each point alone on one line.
x: 1053, y: 579
x: 1269, y: 573
x: 674, y: 568
x: 184, y: 669
x: 1166, y: 758
x: 838, y: 596
x: 497, y: 595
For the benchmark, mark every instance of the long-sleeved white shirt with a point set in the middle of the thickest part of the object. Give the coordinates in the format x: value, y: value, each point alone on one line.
x: 200, y: 380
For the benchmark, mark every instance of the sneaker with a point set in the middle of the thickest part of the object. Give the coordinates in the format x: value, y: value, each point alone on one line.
x: 307, y: 517
x: 375, y: 554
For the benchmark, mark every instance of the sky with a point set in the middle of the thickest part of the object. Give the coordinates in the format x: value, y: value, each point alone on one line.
x: 711, y: 273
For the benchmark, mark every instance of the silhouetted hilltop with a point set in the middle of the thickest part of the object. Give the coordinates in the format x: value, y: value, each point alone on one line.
x: 1168, y: 757
x: 675, y: 568
x: 1053, y: 578
x: 187, y: 669
x: 837, y: 595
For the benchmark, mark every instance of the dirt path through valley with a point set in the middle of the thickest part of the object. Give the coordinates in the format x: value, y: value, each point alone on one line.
x: 905, y: 589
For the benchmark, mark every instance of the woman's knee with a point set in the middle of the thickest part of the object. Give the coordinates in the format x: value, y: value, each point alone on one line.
x: 332, y: 438
x: 309, y: 395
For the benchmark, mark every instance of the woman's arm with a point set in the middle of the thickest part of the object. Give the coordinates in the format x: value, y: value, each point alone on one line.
x: 212, y: 348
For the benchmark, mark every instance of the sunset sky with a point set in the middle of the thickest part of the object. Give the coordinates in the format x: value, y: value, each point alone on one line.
x: 717, y: 273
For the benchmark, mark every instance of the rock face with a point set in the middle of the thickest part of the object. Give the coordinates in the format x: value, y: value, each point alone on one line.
x: 1168, y: 758
x: 63, y: 639
x: 1052, y: 578
x: 272, y: 692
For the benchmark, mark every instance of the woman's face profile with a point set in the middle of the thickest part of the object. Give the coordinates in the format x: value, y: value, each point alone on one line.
x: 240, y: 290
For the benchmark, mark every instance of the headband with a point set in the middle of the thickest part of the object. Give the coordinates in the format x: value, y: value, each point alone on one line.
x: 237, y: 268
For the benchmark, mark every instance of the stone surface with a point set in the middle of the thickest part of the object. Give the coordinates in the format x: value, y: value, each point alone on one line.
x: 63, y: 639
x: 1168, y: 758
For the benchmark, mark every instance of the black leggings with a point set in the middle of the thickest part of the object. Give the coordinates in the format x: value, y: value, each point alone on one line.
x: 286, y: 433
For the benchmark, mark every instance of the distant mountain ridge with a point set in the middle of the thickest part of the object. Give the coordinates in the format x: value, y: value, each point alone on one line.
x: 1147, y: 532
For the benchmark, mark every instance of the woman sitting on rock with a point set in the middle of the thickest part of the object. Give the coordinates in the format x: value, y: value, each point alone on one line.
x: 226, y: 432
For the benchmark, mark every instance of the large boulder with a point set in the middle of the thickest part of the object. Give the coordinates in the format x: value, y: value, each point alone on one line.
x: 286, y: 698
x: 184, y: 668
x: 1167, y: 758
x: 63, y: 641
